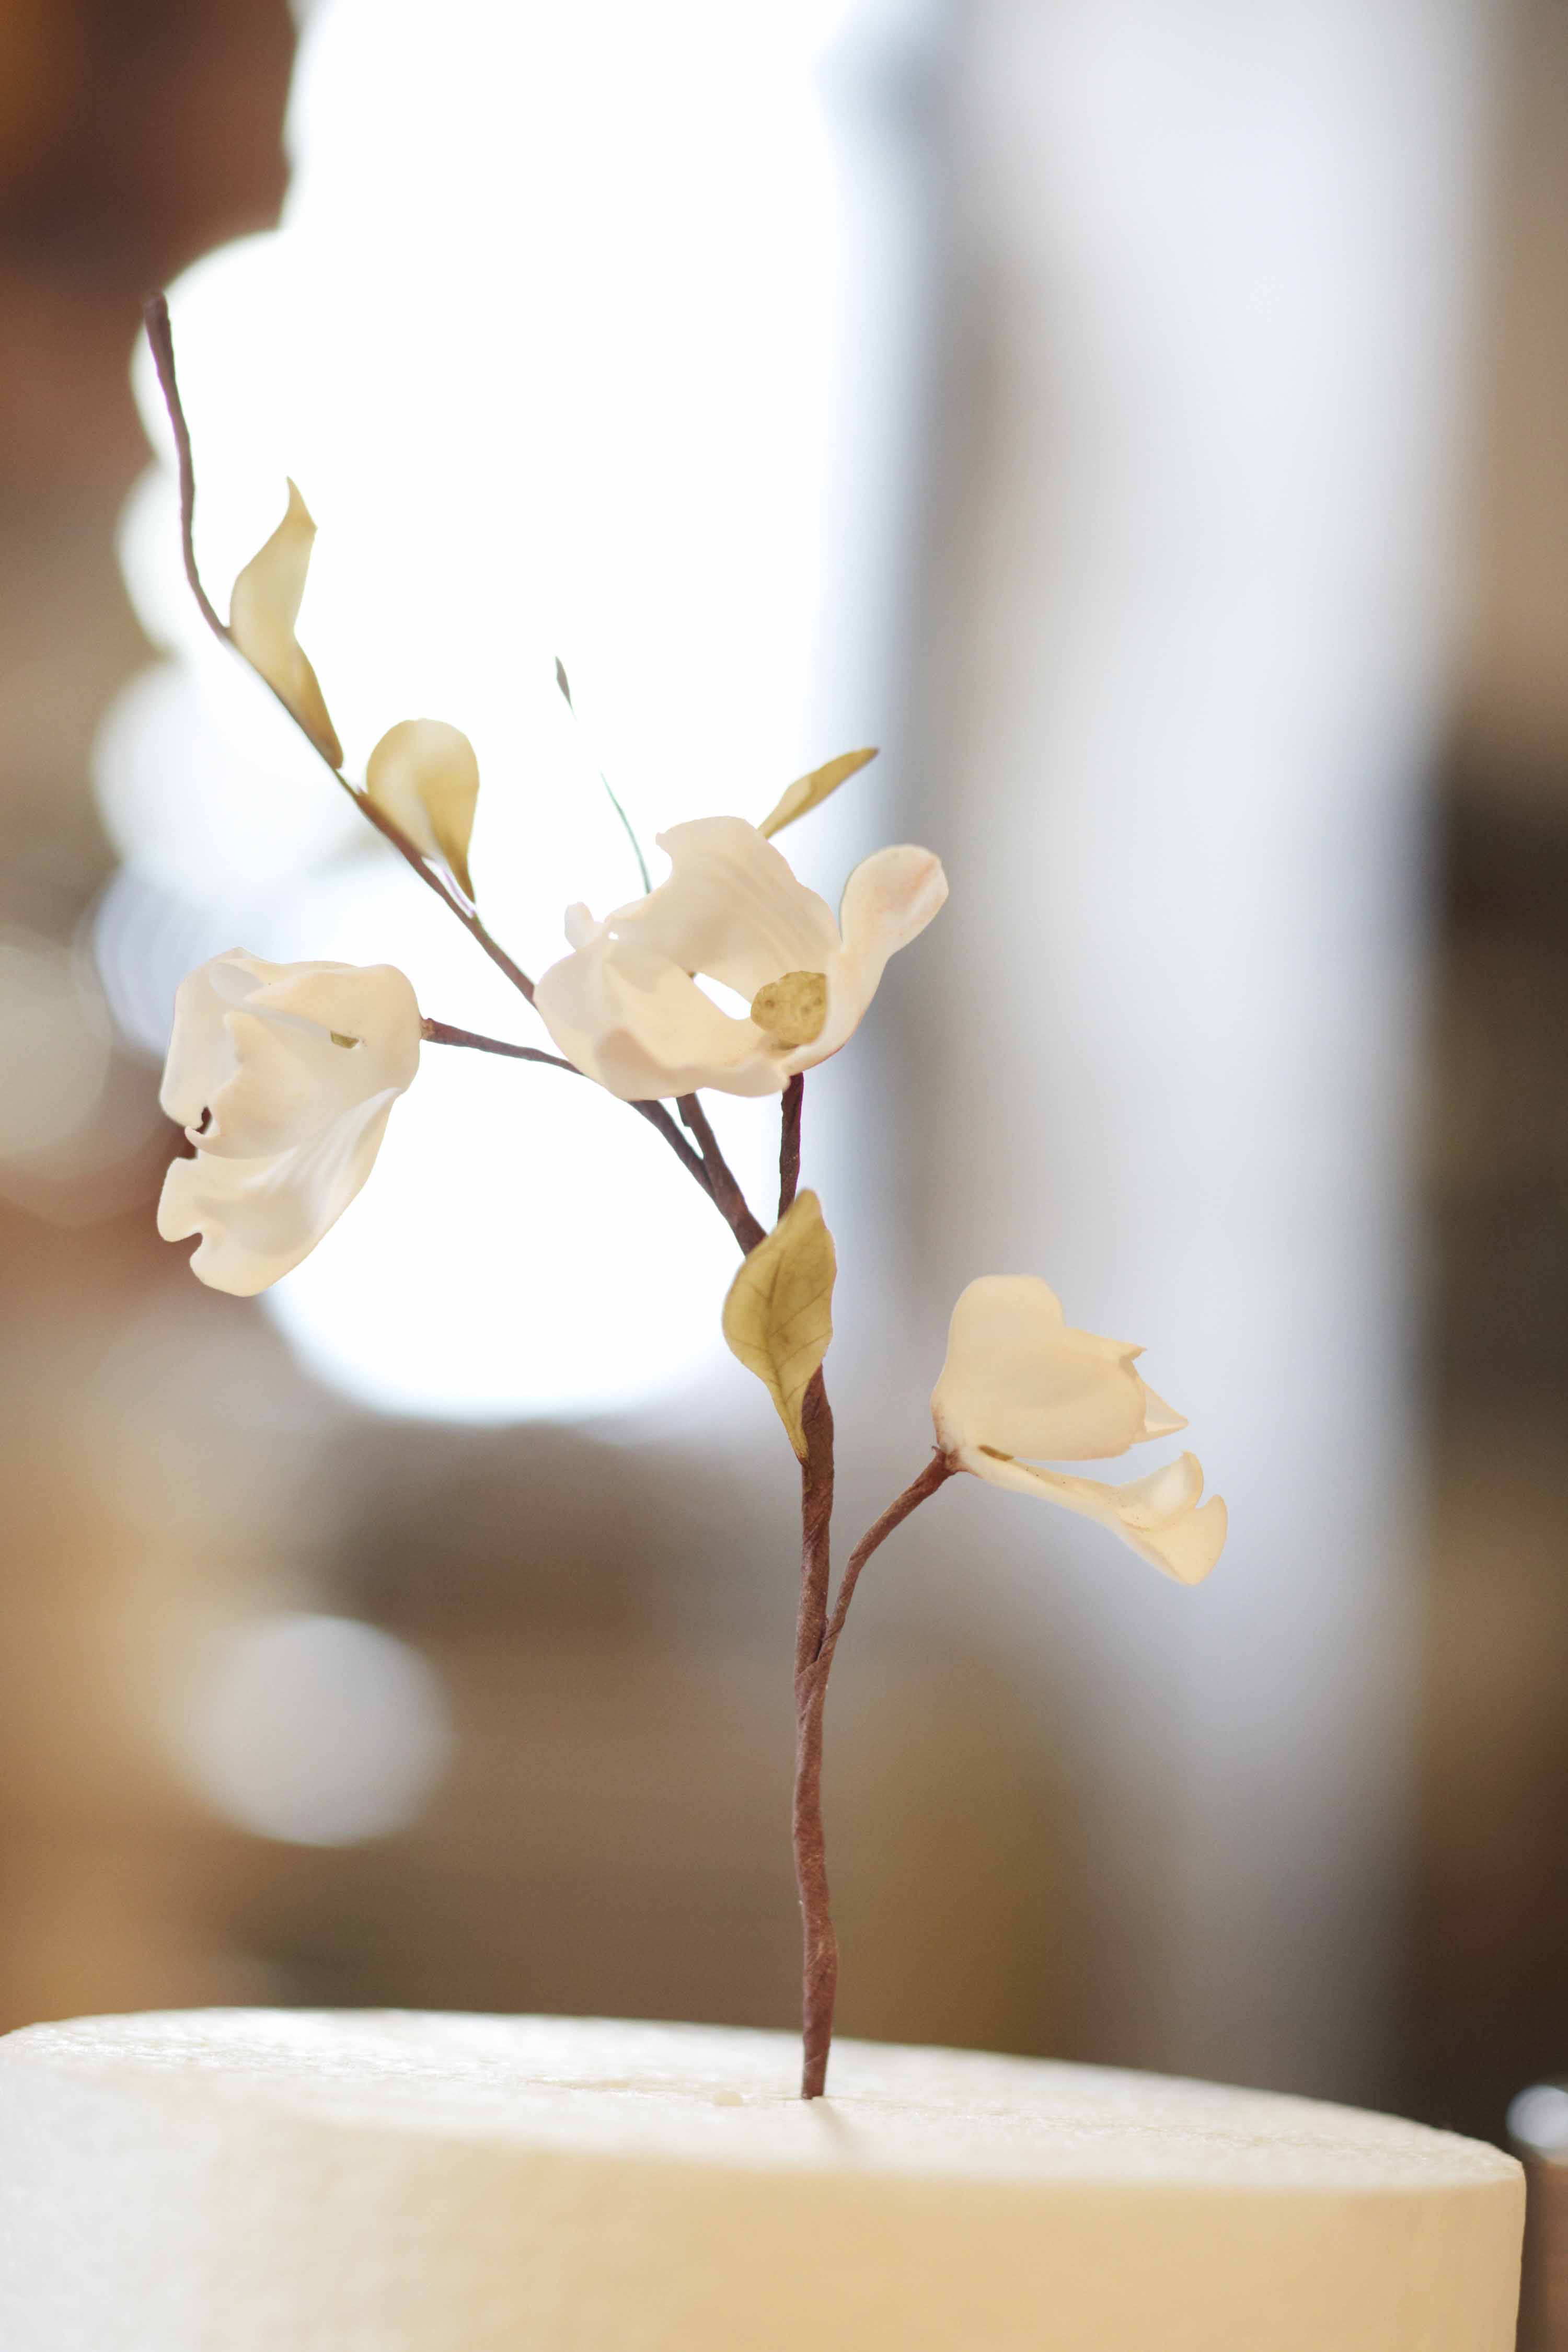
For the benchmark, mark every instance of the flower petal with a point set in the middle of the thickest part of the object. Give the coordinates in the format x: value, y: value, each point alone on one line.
x: 254, y: 1063
x: 641, y: 1027
x: 887, y: 901
x: 1159, y: 1516
x: 1019, y: 1378
x: 731, y: 908
x: 201, y: 1049
x: 373, y: 1002
x: 1160, y: 1419
x: 425, y: 776
x: 283, y: 1076
x: 263, y: 609
x: 257, y: 1218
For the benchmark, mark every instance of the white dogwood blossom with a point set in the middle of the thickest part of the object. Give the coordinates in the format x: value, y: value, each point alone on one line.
x: 1020, y: 1386
x: 283, y: 1076
x: 625, y: 1005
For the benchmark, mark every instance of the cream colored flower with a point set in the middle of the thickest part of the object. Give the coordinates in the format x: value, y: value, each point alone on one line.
x: 283, y: 1076
x: 1019, y: 1381
x: 625, y: 1006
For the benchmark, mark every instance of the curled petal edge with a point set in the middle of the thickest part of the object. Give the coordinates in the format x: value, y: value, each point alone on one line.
x: 1159, y: 1516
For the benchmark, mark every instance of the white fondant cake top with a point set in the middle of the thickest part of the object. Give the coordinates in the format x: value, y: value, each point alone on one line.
x: 291, y: 2181
x: 723, y: 2096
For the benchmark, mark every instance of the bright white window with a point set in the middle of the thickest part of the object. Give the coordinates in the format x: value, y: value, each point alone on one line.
x: 563, y: 336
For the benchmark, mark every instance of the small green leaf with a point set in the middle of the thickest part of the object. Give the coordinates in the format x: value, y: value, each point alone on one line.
x: 778, y: 1316
x: 808, y: 793
x: 262, y: 612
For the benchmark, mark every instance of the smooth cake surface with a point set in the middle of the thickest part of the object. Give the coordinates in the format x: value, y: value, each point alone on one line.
x: 307, y: 2181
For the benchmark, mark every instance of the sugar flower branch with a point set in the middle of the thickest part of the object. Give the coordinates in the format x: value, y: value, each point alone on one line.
x: 284, y: 1078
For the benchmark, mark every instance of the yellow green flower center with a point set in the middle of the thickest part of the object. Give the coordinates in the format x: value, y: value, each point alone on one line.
x: 792, y: 1010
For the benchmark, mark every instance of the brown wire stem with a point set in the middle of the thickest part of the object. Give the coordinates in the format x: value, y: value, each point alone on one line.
x: 160, y: 335
x: 789, y: 1140
x: 937, y: 1472
x: 722, y: 1181
x: 442, y: 1033
x: 816, y: 1640
x: 819, y: 1941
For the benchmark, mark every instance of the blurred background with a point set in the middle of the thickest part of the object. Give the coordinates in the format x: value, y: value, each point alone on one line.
x: 1146, y: 419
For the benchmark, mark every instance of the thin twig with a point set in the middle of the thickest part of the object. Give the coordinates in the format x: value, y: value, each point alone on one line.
x: 160, y: 335
x: 819, y: 1941
x: 816, y: 1640
x: 937, y: 1472
x: 657, y: 1117
x: 442, y: 1033
x: 654, y: 1113
x: 726, y: 1191
x: 789, y: 1140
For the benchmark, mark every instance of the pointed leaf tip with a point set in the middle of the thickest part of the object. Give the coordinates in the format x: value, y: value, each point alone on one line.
x: 263, y: 609
x: 778, y: 1316
x: 564, y: 683
x: 809, y: 792
x: 424, y: 775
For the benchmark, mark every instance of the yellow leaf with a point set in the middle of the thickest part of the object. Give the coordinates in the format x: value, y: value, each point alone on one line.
x: 778, y: 1318
x: 262, y: 612
x: 424, y: 775
x: 808, y: 793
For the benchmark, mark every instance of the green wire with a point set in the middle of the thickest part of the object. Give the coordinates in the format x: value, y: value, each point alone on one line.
x: 564, y: 684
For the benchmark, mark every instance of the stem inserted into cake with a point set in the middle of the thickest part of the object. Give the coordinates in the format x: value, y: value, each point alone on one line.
x: 816, y: 1641
x: 819, y: 1942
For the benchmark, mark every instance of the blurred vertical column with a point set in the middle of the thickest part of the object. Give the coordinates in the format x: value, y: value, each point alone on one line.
x: 1181, y: 677
x: 129, y: 137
